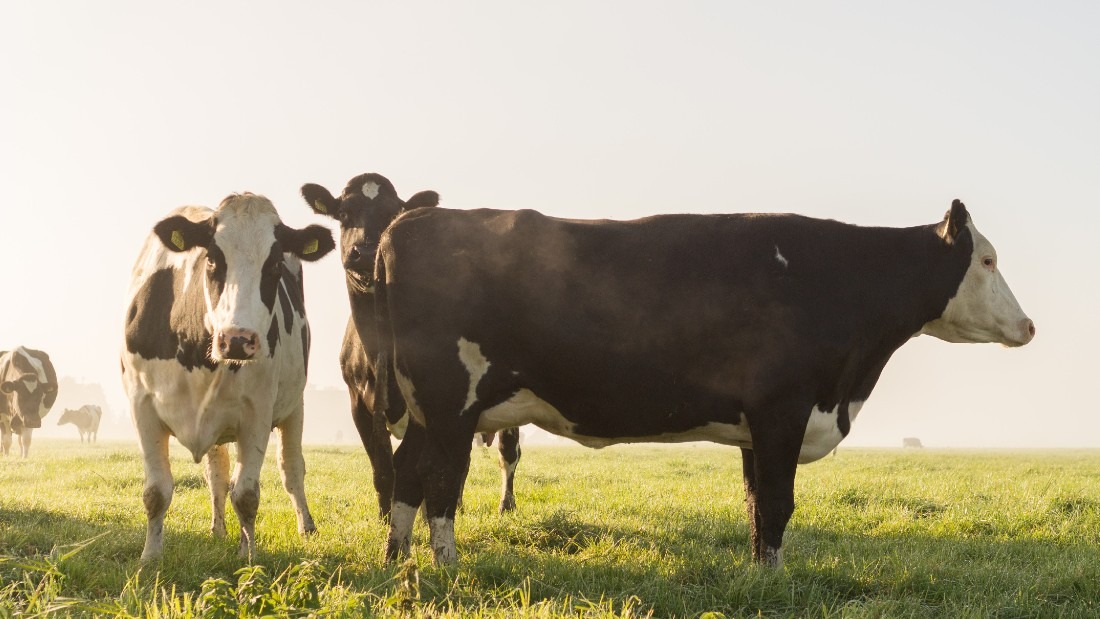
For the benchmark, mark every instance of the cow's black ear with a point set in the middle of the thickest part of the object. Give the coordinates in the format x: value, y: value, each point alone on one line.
x: 953, y: 222
x: 179, y: 233
x: 310, y: 243
x: 320, y: 200
x: 422, y: 200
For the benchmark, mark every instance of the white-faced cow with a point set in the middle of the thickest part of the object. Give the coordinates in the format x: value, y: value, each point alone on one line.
x: 368, y: 204
x: 766, y: 332
x: 86, y: 419
x: 28, y: 389
x: 216, y: 347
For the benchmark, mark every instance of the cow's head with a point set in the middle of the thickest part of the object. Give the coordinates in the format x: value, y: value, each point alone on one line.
x: 244, y: 244
x: 983, y: 308
x: 67, y: 416
x: 369, y: 203
x: 25, y: 393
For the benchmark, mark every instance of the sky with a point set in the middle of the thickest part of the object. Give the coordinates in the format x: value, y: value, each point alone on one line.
x: 113, y: 113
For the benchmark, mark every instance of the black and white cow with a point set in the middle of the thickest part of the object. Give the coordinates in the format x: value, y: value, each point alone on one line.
x: 86, y: 419
x: 216, y: 348
x: 367, y: 205
x: 28, y: 390
x: 766, y: 332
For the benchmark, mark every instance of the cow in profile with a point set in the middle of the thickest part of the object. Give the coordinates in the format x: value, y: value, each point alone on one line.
x: 765, y: 332
x: 28, y: 390
x: 86, y: 419
x: 367, y: 205
x: 215, y: 351
x: 911, y: 441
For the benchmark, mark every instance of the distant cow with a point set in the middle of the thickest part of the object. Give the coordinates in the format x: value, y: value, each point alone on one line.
x: 86, y: 419
x: 216, y: 346
x: 767, y: 332
x: 367, y: 205
x: 28, y: 390
x: 910, y: 441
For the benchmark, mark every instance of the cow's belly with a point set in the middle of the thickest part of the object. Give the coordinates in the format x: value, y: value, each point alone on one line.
x: 202, y: 407
x: 821, y: 437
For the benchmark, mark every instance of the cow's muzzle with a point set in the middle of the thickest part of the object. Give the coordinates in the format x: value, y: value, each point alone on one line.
x: 237, y: 344
x: 32, y: 421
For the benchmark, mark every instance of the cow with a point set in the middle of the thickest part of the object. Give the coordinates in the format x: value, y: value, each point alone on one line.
x: 86, y: 419
x: 215, y: 350
x: 911, y: 441
x: 367, y: 205
x: 766, y: 332
x: 28, y: 390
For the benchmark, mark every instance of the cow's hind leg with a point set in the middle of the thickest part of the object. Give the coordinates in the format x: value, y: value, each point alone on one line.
x: 157, y: 495
x: 292, y: 467
x: 445, y: 457
x: 509, y: 458
x: 408, y: 493
x: 216, y: 471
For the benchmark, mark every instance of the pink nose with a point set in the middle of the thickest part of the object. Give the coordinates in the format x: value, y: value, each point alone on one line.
x: 1028, y: 327
x: 237, y: 344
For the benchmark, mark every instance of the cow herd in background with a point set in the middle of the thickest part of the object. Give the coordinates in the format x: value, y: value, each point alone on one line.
x: 764, y: 332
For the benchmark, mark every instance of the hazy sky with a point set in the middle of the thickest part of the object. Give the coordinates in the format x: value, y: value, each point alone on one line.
x: 113, y: 113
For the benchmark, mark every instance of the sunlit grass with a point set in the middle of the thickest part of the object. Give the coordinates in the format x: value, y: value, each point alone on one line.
x: 625, y: 531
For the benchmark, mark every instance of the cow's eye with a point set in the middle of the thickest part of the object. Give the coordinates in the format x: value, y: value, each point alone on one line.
x: 211, y: 265
x: 989, y: 263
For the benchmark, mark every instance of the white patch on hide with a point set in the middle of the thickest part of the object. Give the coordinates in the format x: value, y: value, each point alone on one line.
x: 409, y: 393
x: 779, y: 257
x: 370, y: 189
x: 822, y: 432
x: 469, y: 353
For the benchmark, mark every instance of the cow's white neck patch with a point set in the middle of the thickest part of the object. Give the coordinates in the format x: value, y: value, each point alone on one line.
x: 469, y: 353
x: 823, y: 432
x: 779, y: 257
x: 370, y: 189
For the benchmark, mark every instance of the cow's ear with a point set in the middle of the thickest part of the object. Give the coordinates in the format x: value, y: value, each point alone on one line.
x: 310, y: 243
x: 179, y: 233
x: 422, y: 200
x: 953, y: 222
x: 320, y: 200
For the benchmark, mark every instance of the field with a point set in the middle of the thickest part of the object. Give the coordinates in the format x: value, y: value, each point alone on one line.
x: 621, y: 532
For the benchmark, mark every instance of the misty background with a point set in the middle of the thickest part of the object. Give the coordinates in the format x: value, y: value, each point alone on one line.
x: 873, y: 113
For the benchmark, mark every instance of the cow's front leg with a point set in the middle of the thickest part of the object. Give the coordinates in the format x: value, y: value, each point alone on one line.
x: 443, y: 462
x: 775, y: 460
x: 25, y: 442
x: 748, y: 472
x: 5, y: 438
x: 376, y: 441
x: 509, y: 459
x: 216, y: 471
x: 292, y: 468
x: 245, y: 487
x: 157, y: 495
x: 408, y: 493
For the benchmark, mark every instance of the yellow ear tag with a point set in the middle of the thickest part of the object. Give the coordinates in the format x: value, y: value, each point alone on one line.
x: 177, y: 239
x: 320, y: 206
x: 310, y: 247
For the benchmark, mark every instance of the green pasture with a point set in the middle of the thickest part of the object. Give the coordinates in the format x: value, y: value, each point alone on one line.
x: 629, y: 531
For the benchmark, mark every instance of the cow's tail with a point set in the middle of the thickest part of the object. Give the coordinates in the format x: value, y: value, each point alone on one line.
x: 387, y: 398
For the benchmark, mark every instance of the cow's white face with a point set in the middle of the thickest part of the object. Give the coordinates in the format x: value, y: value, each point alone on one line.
x: 984, y: 308
x: 244, y: 265
x: 244, y: 243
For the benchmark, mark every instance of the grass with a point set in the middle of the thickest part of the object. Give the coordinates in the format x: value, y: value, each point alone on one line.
x: 622, y: 532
